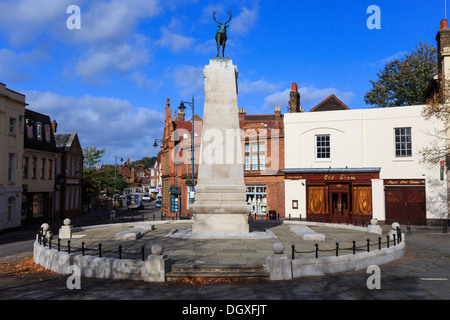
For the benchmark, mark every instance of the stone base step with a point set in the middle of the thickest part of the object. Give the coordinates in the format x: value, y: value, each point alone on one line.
x: 217, y: 271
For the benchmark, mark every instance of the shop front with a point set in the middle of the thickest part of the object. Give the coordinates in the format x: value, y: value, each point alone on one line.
x: 336, y: 196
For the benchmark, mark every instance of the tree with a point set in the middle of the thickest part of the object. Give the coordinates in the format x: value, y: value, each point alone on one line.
x: 437, y: 108
x: 403, y: 82
x: 146, y: 162
x: 92, y: 156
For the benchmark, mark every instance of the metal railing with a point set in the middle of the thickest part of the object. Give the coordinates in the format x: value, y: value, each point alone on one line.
x: 397, y: 238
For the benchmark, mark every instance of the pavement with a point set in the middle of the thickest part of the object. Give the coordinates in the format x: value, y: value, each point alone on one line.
x: 421, y: 274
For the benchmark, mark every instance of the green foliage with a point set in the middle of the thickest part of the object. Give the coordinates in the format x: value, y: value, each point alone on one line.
x: 147, y: 162
x: 403, y: 82
x: 92, y: 157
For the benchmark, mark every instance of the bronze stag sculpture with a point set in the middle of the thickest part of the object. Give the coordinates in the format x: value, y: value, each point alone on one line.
x: 221, y: 34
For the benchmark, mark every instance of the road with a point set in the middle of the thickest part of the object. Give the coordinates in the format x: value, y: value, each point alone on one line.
x: 18, y: 243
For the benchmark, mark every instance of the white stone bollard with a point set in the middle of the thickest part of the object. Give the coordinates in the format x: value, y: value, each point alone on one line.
x: 156, y: 265
x: 278, y: 264
x: 65, y: 232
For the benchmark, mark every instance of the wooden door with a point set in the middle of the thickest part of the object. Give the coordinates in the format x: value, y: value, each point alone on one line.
x: 340, y: 204
x: 405, y: 204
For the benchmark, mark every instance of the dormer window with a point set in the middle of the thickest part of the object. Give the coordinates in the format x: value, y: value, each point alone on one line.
x: 47, y: 133
x: 29, y: 128
x: 39, y: 131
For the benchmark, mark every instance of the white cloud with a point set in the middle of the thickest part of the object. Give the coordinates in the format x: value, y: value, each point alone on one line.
x: 384, y: 61
x: 99, y: 63
x: 143, y: 82
x: 246, y: 20
x: 18, y: 66
x: 188, y: 79
x: 174, y: 41
x: 103, y: 122
x: 309, y: 97
x: 258, y: 86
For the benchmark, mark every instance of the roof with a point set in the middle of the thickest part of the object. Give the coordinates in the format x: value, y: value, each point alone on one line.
x: 332, y: 103
x: 32, y: 118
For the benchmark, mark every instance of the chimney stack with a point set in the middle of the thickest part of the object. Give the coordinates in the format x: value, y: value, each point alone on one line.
x: 294, y: 102
x: 242, y: 113
x: 54, y: 126
x: 277, y: 112
x: 443, y: 47
x: 180, y: 115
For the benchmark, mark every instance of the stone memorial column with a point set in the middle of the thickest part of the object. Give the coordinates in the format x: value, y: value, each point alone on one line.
x: 220, y: 202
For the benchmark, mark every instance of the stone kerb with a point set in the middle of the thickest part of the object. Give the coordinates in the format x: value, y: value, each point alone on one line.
x: 152, y: 270
x: 276, y: 263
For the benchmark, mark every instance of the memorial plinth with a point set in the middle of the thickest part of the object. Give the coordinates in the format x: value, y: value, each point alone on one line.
x: 220, y: 202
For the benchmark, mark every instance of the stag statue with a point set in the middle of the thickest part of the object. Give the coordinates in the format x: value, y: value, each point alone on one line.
x: 221, y: 34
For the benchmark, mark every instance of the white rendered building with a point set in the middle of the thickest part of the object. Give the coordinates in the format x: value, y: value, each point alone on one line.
x: 362, y: 164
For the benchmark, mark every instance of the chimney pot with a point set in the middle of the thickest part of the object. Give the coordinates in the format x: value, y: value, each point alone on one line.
x: 54, y: 126
x: 444, y: 24
x: 294, y: 86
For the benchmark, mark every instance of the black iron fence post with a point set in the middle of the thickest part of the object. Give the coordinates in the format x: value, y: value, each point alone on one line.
x: 317, y: 250
x: 99, y: 250
x: 293, y: 251
x: 368, y: 245
x: 68, y: 246
x: 59, y: 244
x: 337, y: 249
x: 379, y: 243
x: 120, y: 252
x: 354, y: 247
x: 82, y: 248
x: 143, y: 253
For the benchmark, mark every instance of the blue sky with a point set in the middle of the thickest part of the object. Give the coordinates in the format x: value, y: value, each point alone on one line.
x: 109, y: 80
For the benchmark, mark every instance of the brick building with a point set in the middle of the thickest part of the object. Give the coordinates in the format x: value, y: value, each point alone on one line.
x: 262, y: 143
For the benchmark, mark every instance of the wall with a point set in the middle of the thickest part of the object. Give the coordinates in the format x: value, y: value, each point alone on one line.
x: 364, y: 138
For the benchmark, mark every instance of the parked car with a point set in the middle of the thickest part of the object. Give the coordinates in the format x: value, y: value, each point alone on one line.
x: 146, y: 198
x: 158, y: 203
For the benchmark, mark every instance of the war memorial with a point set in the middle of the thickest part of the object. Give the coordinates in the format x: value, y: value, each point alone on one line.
x: 221, y: 239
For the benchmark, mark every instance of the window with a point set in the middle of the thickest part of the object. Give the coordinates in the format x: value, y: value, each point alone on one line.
x: 33, y: 168
x: 11, y: 168
x: 323, y: 149
x: 12, y: 124
x: 25, y: 167
x: 403, y: 142
x: 257, y: 197
x: 47, y: 133
x: 50, y: 169
x: 39, y: 131
x: 29, y: 128
x: 43, y: 168
x: 11, y: 204
x: 255, y: 156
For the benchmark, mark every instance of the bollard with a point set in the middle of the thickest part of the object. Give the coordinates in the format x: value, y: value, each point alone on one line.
x: 408, y: 228
x: 445, y: 226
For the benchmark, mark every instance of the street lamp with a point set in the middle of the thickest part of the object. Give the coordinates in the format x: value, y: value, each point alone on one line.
x: 156, y: 142
x: 115, y: 179
x: 182, y: 108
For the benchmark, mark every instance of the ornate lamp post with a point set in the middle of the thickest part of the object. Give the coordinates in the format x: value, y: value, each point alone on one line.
x: 182, y: 108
